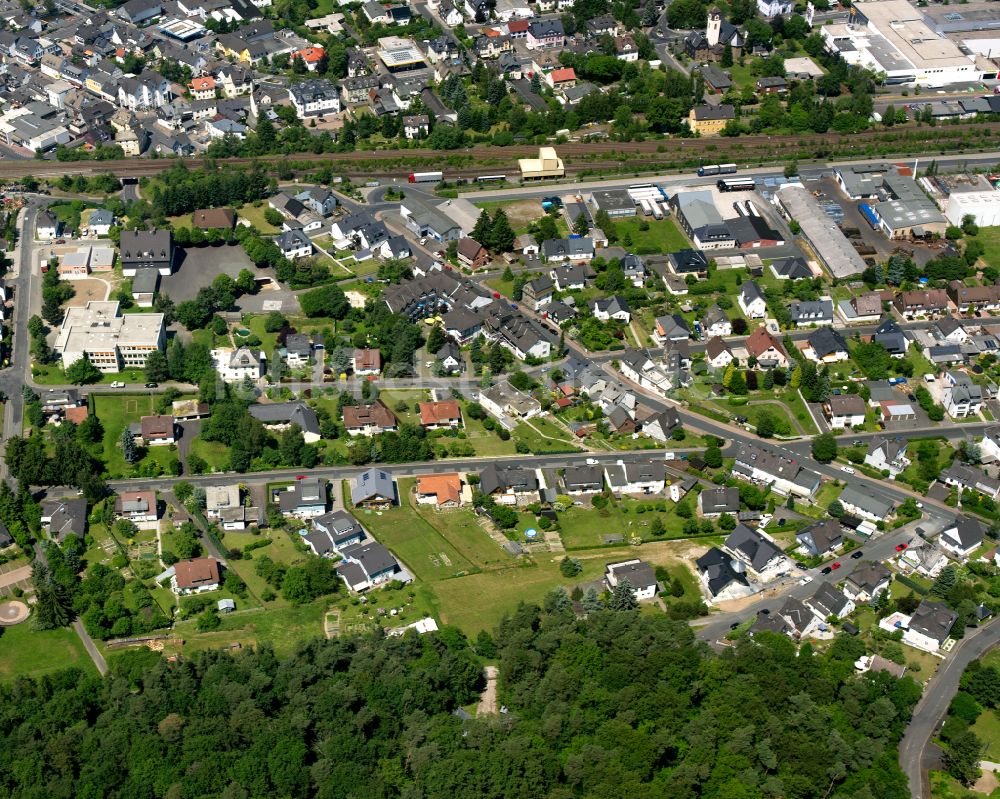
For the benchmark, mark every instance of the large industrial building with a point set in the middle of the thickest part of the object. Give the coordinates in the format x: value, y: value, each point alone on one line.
x: 893, y: 37
x: 825, y: 238
x: 547, y: 165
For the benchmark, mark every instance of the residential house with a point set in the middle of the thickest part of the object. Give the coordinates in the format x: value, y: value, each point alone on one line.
x: 760, y: 464
x: 757, y: 551
x: 214, y: 219
x: 892, y: 337
x: 195, y: 576
x: 449, y: 359
x: 636, y: 573
x: 718, y: 354
x: 224, y: 503
x: 715, y: 322
x: 713, y: 502
x: 709, y: 120
x: 827, y: 601
x: 930, y: 626
x: 583, y: 480
x: 887, y: 454
x: 509, y: 485
x: 962, y: 537
x: 811, y: 312
x: 416, y: 126
x: 333, y: 532
x: 923, y: 303
x: 723, y: 577
x: 298, y: 350
x: 441, y: 415
x: 235, y: 366
x: 315, y: 97
x: 369, y: 419
x: 950, y: 330
x: 373, y: 489
x: 864, y: 308
x: 961, y: 397
x: 443, y: 491
x: 821, y: 538
x: 688, y: 262
x: 766, y: 349
x: 157, y: 431
x: 990, y: 445
x: 974, y: 299
x: 277, y: 416
x: 634, y: 269
x: 545, y: 33
x: 472, y: 254
x: 368, y: 565
x: 645, y: 479
x: 61, y: 517
x: 965, y: 477
x: 868, y: 580
x: 614, y: 307
x: 659, y: 426
x: 304, y: 499
x: 791, y: 268
x: 527, y: 245
x: 294, y: 244
x: 924, y: 558
x: 751, y: 300
x: 538, y: 293
x: 146, y: 249
x: 581, y: 249
x: 826, y: 345
x: 503, y: 401
x: 365, y: 362
x: 864, y: 502
x: 672, y: 327
x: 139, y: 507
x: 845, y: 410
x: 318, y: 200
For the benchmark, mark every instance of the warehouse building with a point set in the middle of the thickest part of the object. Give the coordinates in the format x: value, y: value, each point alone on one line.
x: 826, y: 239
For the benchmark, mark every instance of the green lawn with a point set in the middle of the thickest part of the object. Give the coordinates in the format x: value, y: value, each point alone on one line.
x: 538, y: 443
x: 284, y: 628
x: 29, y: 653
x: 461, y: 530
x: 215, y: 453
x: 585, y: 527
x: 394, y: 396
x: 987, y: 728
x: 255, y: 216
x: 990, y: 237
x: 118, y: 411
x: 53, y: 375
x: 486, y: 442
x: 427, y: 553
x: 662, y: 236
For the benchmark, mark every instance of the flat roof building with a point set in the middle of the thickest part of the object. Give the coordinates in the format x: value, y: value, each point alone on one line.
x: 547, y: 165
x: 113, y: 341
x: 892, y: 36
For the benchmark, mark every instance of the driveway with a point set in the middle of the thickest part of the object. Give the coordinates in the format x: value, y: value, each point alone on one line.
x: 189, y: 431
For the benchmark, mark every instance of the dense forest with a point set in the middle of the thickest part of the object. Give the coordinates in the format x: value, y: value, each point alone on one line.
x: 614, y: 705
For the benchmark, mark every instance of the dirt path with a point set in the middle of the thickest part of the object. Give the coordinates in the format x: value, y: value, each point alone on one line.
x: 488, y: 698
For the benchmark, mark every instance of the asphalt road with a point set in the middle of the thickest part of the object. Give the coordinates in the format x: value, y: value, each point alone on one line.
x: 933, y: 705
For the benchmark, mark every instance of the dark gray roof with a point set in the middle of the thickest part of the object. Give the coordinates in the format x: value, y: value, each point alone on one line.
x: 933, y: 619
x: 373, y: 557
x: 639, y: 575
x: 719, y: 570
x: 755, y: 548
x: 828, y: 601
x: 583, y: 477
x: 968, y: 530
x: 826, y: 341
x: 494, y: 478
x: 720, y: 500
x: 372, y: 484
x: 821, y: 536
x: 66, y: 516
x: 287, y: 413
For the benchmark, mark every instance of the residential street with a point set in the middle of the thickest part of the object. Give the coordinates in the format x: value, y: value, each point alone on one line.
x: 913, y: 749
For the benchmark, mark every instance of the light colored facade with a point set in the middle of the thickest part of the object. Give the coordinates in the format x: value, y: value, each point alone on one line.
x: 113, y: 341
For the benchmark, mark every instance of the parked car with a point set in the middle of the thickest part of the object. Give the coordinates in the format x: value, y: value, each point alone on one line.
x: 835, y: 565
x: 801, y: 567
x: 848, y: 469
x: 117, y: 384
x: 901, y: 547
x: 827, y: 570
x: 857, y: 554
x: 805, y: 579
x: 592, y: 461
x: 152, y: 385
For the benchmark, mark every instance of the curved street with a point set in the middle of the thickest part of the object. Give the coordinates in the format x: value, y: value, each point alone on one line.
x: 932, y: 707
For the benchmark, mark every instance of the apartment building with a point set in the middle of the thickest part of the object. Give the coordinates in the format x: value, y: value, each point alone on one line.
x: 113, y: 341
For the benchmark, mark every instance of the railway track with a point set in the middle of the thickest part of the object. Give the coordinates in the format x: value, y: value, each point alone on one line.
x: 578, y: 156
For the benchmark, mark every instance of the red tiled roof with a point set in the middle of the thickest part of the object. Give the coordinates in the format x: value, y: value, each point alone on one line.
x: 439, y: 412
x: 197, y: 572
x: 563, y: 75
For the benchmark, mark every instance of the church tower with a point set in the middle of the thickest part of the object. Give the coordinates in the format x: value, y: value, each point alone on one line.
x: 714, y: 28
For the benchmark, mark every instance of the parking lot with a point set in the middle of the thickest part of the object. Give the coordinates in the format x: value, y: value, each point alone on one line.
x: 197, y: 267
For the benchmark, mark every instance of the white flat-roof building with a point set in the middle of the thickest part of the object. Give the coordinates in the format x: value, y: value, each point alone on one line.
x: 892, y: 36
x: 982, y: 205
x: 113, y: 341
